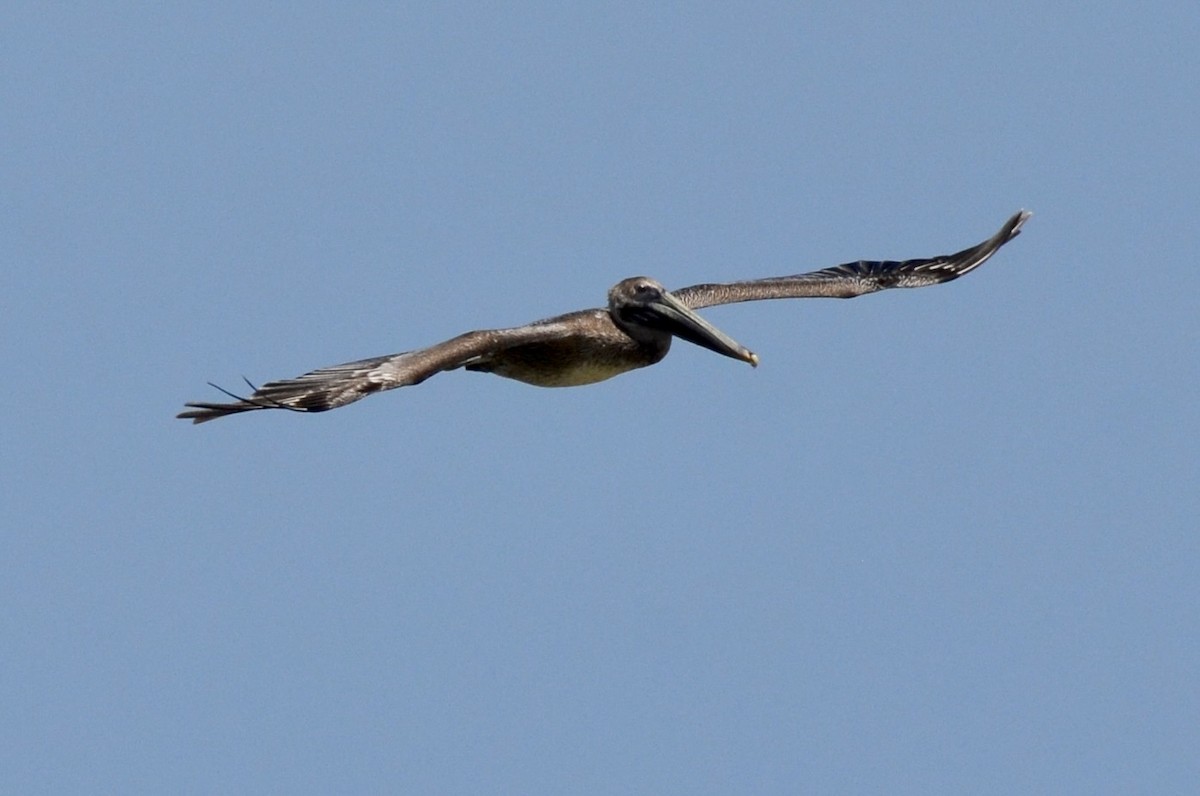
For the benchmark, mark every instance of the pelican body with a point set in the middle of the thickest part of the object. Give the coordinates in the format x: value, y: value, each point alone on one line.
x: 593, y: 345
x: 587, y: 346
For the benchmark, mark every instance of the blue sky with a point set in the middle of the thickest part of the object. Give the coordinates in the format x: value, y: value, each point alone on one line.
x: 939, y: 541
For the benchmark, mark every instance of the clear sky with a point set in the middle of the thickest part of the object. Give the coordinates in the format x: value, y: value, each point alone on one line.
x: 940, y: 541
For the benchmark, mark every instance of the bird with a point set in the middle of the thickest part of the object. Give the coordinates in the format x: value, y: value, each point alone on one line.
x: 584, y: 347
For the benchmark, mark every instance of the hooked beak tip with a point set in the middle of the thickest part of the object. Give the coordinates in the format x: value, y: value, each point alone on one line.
x: 752, y: 359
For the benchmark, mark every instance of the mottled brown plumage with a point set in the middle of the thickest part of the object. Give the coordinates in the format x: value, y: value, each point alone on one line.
x: 588, y: 346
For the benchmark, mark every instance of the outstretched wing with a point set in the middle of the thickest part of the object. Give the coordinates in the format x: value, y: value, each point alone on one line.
x: 855, y: 279
x: 329, y: 388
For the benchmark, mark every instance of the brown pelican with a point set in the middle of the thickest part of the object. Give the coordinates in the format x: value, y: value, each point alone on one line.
x: 592, y: 345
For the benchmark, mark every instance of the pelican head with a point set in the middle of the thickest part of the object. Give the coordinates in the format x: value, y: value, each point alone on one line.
x: 646, y: 311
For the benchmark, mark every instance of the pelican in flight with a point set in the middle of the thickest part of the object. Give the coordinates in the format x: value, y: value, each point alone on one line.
x: 588, y: 346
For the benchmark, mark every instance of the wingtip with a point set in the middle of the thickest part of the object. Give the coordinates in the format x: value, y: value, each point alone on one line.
x: 201, y: 413
x: 1018, y: 221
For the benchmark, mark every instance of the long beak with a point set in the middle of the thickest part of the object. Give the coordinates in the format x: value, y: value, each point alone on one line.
x: 682, y: 321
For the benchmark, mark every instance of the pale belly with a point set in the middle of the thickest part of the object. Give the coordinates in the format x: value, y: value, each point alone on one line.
x: 575, y: 375
x: 571, y: 362
x: 548, y: 367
